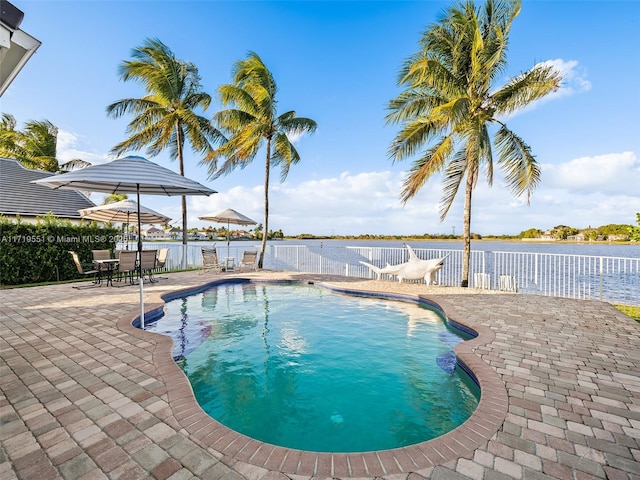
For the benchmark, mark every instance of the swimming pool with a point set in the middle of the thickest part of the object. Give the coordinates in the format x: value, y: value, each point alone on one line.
x: 303, y: 367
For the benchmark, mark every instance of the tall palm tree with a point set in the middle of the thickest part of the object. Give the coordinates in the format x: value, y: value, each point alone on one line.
x: 34, y: 147
x: 252, y: 121
x: 449, y: 103
x: 165, y: 118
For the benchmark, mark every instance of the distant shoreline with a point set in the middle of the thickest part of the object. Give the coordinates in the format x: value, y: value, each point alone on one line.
x: 417, y: 239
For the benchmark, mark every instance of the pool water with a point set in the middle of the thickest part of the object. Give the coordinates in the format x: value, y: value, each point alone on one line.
x: 300, y: 366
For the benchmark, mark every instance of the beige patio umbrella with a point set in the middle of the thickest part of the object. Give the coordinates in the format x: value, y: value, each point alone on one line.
x: 228, y: 216
x: 128, y: 175
x: 119, y: 212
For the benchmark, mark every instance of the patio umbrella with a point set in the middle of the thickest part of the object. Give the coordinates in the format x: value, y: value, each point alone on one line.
x: 228, y: 216
x: 128, y: 175
x: 119, y: 212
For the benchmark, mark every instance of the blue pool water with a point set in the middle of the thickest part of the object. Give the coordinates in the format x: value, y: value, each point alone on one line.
x: 303, y: 367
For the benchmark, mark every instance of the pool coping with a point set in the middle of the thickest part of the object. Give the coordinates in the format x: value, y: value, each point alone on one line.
x: 234, y: 448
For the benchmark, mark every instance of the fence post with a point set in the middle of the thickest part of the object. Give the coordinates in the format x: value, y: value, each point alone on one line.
x: 601, y: 272
x: 346, y: 264
x: 298, y: 258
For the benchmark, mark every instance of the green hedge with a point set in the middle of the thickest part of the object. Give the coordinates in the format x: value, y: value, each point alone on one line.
x: 40, y: 253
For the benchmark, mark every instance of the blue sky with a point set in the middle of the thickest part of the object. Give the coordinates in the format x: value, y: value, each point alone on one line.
x: 337, y: 62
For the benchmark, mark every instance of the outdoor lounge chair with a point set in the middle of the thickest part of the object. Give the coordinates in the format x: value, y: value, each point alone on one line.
x: 210, y: 260
x: 249, y: 258
x: 82, y: 270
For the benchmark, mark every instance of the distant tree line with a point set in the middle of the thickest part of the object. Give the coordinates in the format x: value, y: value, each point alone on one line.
x: 563, y: 232
x: 559, y: 232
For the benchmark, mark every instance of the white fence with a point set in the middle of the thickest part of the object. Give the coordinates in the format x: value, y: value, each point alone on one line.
x: 612, y: 279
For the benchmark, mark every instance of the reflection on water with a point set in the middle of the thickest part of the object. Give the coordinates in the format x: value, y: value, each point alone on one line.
x: 302, y: 367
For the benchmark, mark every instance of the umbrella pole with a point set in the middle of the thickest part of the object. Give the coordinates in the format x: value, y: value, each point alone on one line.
x: 140, y: 278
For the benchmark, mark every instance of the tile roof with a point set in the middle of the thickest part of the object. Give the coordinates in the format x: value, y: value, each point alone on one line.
x: 19, y: 196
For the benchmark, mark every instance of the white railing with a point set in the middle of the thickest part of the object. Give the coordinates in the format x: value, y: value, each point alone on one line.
x: 193, y: 253
x: 612, y: 279
x: 345, y: 261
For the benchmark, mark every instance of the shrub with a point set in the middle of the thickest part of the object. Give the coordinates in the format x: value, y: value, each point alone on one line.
x: 35, y: 253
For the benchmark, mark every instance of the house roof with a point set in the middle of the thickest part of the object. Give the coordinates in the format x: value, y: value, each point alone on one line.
x: 16, y: 45
x: 20, y: 197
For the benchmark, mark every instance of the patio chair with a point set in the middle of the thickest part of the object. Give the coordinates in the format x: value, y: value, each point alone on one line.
x: 127, y: 264
x: 163, y: 253
x: 101, y: 254
x: 82, y: 270
x: 148, y: 263
x: 210, y: 260
x: 249, y: 258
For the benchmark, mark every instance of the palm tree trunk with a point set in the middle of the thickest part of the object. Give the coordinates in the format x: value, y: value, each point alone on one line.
x: 265, y: 231
x: 180, y: 141
x: 466, y: 234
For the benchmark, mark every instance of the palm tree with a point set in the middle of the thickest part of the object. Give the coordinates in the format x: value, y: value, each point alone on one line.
x: 449, y: 102
x: 34, y: 147
x: 254, y: 119
x: 165, y: 118
x: 114, y: 198
x: 75, y: 164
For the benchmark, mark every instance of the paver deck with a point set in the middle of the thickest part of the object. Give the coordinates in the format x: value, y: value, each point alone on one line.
x: 84, y: 395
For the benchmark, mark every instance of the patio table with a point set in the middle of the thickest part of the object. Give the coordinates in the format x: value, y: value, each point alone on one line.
x: 229, y: 264
x: 108, y: 266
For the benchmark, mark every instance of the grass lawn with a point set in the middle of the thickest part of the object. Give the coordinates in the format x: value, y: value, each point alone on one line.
x: 632, y: 310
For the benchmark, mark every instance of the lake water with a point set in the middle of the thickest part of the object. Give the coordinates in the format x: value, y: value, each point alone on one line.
x: 601, y: 271
x: 628, y: 250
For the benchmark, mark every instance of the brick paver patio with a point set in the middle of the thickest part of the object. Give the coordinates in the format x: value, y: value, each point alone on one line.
x: 87, y: 396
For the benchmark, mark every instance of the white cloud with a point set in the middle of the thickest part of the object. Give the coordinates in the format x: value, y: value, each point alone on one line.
x: 614, y: 173
x: 366, y: 202
x: 585, y: 191
x: 296, y: 137
x: 67, y: 150
x: 574, y: 81
x: 574, y: 77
